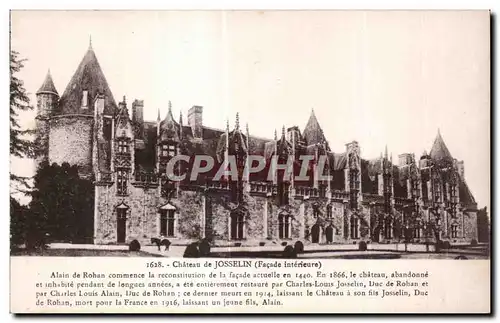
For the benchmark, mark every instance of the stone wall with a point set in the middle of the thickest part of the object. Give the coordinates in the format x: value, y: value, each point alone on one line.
x: 70, y: 141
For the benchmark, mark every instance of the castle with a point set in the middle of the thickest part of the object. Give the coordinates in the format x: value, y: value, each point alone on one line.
x: 125, y: 156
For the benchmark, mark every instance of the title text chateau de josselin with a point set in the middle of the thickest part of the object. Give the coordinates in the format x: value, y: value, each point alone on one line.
x: 126, y: 156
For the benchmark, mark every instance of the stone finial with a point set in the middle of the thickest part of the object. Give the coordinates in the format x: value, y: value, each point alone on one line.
x: 237, y: 123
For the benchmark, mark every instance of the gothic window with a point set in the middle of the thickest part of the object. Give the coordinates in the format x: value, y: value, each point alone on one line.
x: 167, y: 222
x: 354, y: 227
x: 316, y: 212
x: 284, y: 225
x: 168, y: 150
x: 329, y: 212
x: 454, y: 231
x: 445, y: 192
x: 122, y: 179
x: 123, y: 146
x: 354, y: 187
x: 237, y: 226
x: 437, y: 193
x: 417, y: 231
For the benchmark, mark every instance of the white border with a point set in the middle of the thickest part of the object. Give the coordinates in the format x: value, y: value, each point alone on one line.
x: 494, y: 5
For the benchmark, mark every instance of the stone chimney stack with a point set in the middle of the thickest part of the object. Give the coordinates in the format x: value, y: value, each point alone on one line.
x: 195, y: 121
x: 138, y: 117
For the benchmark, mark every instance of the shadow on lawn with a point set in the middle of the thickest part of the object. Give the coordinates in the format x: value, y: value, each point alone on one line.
x: 81, y: 253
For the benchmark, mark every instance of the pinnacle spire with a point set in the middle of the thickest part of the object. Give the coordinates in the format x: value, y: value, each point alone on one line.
x: 275, y: 135
x: 227, y: 125
x: 48, y: 85
x: 158, y: 118
x: 169, y: 105
x: 313, y: 134
x: 439, y: 150
x: 283, y: 132
x: 90, y: 42
x: 246, y: 128
x: 237, y: 125
x: 180, y: 117
x: 385, y: 153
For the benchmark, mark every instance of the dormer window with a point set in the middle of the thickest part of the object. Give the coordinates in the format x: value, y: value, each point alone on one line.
x: 168, y: 150
x: 85, y: 99
x: 122, y: 146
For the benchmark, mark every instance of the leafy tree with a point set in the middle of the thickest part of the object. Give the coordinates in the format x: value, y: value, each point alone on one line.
x: 20, y: 145
x: 62, y: 204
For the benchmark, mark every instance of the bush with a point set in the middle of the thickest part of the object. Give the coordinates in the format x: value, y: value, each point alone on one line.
x: 461, y: 257
x: 447, y: 245
x: 299, y: 247
x: 473, y: 242
x: 204, y: 247
x: 289, y: 252
x: 362, y: 246
x: 134, y: 246
x: 192, y: 251
x: 284, y: 243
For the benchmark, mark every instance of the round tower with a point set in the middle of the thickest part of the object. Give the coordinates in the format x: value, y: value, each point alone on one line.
x: 47, y: 99
x: 72, y: 132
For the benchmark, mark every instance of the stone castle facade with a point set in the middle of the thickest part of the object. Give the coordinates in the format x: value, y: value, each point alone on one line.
x: 125, y: 156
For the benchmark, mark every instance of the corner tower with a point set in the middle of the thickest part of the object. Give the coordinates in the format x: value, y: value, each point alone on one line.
x: 72, y: 123
x: 47, y: 99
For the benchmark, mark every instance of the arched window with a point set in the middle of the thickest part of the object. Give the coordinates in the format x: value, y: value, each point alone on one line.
x: 237, y: 226
x: 284, y: 226
x: 167, y: 220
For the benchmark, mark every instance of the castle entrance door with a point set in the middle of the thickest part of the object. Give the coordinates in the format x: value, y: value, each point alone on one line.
x: 315, y: 233
x: 329, y: 234
x: 121, y: 225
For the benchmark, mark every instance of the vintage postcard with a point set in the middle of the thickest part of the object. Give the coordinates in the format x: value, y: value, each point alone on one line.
x: 250, y: 161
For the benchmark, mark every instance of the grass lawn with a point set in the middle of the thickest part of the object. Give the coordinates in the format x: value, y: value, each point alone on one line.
x: 82, y: 253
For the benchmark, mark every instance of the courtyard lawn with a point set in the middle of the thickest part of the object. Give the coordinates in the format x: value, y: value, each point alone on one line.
x: 82, y: 253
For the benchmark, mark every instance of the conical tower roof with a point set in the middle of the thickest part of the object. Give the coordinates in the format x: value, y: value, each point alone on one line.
x: 88, y: 77
x: 48, y: 86
x: 439, y: 151
x: 313, y: 133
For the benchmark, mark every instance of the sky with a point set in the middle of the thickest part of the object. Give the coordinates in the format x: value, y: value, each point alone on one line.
x: 378, y: 77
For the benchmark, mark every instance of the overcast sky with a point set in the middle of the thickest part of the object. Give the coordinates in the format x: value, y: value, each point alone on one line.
x: 375, y: 77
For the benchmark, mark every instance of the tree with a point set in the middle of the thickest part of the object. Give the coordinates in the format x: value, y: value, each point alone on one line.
x: 20, y: 145
x: 62, y: 204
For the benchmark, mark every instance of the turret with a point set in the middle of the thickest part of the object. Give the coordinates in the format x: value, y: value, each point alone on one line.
x: 47, y: 100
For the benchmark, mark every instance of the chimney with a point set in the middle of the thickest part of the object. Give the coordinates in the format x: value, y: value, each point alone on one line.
x: 138, y: 117
x: 195, y: 121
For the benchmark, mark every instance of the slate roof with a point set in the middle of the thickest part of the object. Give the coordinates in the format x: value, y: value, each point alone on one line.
x: 439, y: 151
x: 313, y: 134
x: 88, y: 76
x: 48, y: 86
